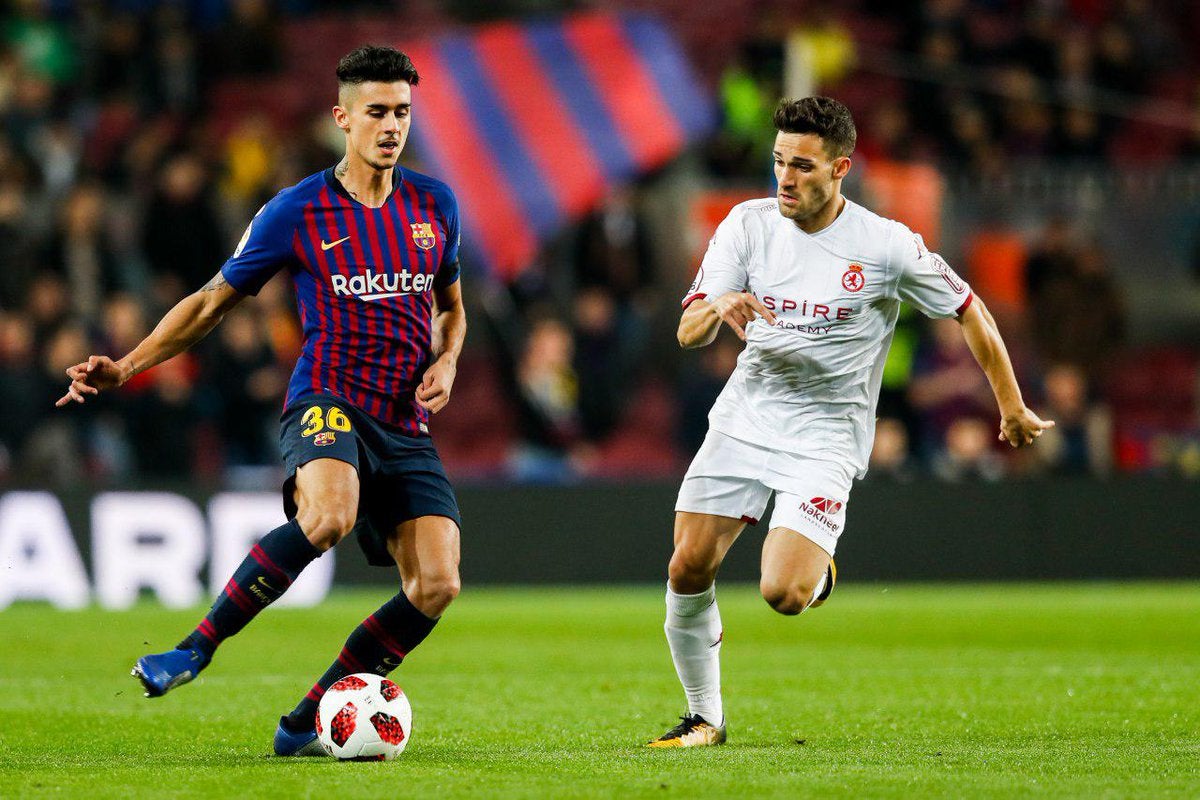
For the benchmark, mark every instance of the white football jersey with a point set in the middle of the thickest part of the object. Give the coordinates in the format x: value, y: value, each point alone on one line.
x: 810, y: 383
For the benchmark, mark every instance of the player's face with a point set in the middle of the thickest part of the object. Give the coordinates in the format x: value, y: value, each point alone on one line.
x: 806, y: 174
x: 375, y: 117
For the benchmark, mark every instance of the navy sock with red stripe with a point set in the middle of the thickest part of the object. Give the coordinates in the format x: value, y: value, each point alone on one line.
x: 261, y: 579
x: 378, y: 645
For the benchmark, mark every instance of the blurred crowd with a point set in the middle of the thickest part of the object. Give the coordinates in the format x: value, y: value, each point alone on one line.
x: 117, y: 197
x: 972, y: 85
x: 121, y: 190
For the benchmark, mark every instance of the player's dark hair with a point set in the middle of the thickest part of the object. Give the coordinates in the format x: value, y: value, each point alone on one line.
x: 823, y: 116
x: 374, y: 63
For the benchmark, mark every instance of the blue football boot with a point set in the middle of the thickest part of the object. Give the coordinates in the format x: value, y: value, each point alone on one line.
x: 162, y: 672
x: 304, y: 743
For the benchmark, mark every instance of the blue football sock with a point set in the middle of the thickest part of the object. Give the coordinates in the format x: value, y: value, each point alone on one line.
x: 261, y: 579
x: 378, y: 645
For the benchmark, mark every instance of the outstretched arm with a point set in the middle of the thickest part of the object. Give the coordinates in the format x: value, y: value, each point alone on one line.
x: 187, y: 323
x: 701, y: 319
x: 449, y: 330
x: 1018, y: 425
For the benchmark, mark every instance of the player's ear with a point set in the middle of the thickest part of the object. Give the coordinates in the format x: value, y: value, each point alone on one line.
x: 840, y: 167
x: 341, y: 118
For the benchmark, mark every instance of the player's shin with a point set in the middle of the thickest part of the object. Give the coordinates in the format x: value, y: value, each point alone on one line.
x: 378, y: 645
x: 263, y: 576
x: 693, y: 628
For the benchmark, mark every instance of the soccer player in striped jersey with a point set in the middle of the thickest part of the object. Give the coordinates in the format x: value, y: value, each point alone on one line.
x: 373, y: 251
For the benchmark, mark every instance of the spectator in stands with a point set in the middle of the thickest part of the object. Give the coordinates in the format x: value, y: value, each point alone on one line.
x: 745, y: 116
x: 890, y: 454
x: 1027, y: 123
x: 41, y: 43
x: 1078, y: 137
x: 249, y: 382
x: 969, y: 141
x: 897, y: 376
x: 890, y: 135
x: 700, y: 387
x: 612, y: 246
x: 822, y: 48
x: 550, y: 449
x: 81, y: 253
x: 1052, y: 255
x: 598, y: 362
x: 27, y: 111
x: 1081, y: 441
x: 16, y: 245
x: 124, y: 323
x: 248, y: 43
x: 163, y: 419
x: 181, y: 236
x: 21, y: 388
x: 122, y: 64
x: 946, y: 386
x: 968, y: 451
x: 1078, y: 313
x: 176, y: 76
x: 58, y: 448
x: 48, y: 304
x: 250, y: 152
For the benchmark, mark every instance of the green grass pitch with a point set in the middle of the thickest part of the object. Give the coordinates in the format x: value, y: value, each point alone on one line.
x: 890, y: 690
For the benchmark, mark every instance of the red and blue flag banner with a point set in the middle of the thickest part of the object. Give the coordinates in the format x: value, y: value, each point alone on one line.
x: 530, y: 123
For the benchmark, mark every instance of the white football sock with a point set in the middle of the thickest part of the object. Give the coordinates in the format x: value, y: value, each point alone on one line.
x: 693, y: 629
x: 820, y: 587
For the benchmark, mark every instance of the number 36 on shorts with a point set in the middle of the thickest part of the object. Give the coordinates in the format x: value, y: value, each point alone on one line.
x: 317, y: 419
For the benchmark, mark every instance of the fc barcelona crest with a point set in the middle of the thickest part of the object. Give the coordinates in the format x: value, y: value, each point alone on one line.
x: 423, y: 235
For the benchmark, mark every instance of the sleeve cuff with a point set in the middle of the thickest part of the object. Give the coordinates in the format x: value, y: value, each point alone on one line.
x: 240, y: 286
x: 447, y: 275
x: 687, y: 301
x: 965, y: 305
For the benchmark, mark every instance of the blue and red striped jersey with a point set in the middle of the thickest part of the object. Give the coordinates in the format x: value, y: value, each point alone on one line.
x: 364, y: 284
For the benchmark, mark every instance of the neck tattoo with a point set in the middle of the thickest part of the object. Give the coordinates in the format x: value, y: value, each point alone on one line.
x: 340, y: 172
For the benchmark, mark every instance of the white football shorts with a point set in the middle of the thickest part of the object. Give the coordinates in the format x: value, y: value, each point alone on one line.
x: 732, y: 478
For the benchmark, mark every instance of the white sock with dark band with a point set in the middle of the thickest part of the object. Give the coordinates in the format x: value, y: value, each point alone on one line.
x: 820, y: 587
x: 693, y: 630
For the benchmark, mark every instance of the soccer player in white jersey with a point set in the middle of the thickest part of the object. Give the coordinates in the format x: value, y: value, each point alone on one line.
x: 812, y: 282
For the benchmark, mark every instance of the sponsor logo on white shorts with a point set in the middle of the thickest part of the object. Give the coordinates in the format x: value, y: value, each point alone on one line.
x: 819, y: 508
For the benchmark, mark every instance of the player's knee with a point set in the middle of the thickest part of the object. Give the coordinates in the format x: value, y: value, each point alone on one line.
x: 325, y: 527
x: 433, y: 594
x: 784, y: 598
x: 691, y: 571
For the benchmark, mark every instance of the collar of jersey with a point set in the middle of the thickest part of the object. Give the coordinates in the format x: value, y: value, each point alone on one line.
x: 836, y: 221
x: 336, y: 185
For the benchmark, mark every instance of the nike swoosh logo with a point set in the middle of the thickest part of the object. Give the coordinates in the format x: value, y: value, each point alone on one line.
x: 263, y: 581
x: 326, y: 245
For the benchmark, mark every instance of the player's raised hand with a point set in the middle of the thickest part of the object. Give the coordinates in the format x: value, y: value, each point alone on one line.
x: 434, y: 391
x: 1022, y: 428
x: 739, y: 309
x: 89, y: 377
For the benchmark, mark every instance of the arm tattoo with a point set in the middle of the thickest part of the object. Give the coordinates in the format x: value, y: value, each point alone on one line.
x: 217, y: 282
